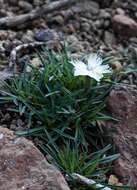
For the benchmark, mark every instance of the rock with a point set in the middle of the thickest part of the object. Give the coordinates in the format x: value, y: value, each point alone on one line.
x: 122, y: 104
x: 85, y: 27
x: 74, y: 44
x: 109, y: 38
x: 98, y: 24
x: 104, y: 14
x: 116, y: 65
x: 13, y: 2
x: 26, y: 6
x: 105, y: 3
x: 133, y: 40
x: 86, y: 6
x: 1, y: 2
x: 3, y: 35
x: 2, y: 49
x: 37, y: 2
x: 22, y: 166
x: 120, y: 11
x: 70, y: 29
x: 136, y: 15
x: 28, y: 37
x: 35, y: 62
x: 106, y: 24
x: 124, y: 25
x: 59, y: 20
x: 46, y: 35
x: 135, y: 51
x: 67, y: 14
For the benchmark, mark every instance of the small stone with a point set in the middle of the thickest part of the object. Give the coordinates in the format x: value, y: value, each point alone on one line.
x: 98, y: 23
x: 58, y: 20
x: 77, y: 26
x: 1, y: 136
x: 104, y: 3
x: 7, y: 117
x: 113, y: 180
x: 72, y: 39
x: 12, y: 35
x: 2, y: 48
x: 13, y: 2
x: 28, y: 37
x: 1, y: 2
x: 116, y: 65
x: 124, y: 25
x: 15, y: 43
x: 109, y: 38
x: 67, y: 14
x: 26, y: 6
x: 70, y: 29
x: 136, y: 15
x: 3, y: 35
x: 86, y: 6
x: 46, y: 35
x: 120, y: 11
x: 13, y: 127
x: 85, y: 27
x: 20, y: 123
x: 35, y: 62
x: 104, y: 14
x: 133, y: 40
x: 37, y: 2
x: 3, y: 13
x: 106, y: 24
x: 75, y: 45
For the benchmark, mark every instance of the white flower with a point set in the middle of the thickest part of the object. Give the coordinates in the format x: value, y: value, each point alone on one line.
x: 93, y: 68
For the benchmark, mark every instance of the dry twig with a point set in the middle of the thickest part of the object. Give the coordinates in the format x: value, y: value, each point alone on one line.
x: 16, y: 51
x: 88, y: 182
x: 24, y: 19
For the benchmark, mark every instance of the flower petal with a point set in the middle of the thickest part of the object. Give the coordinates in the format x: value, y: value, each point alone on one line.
x: 80, y: 68
x: 94, y: 60
x: 95, y: 76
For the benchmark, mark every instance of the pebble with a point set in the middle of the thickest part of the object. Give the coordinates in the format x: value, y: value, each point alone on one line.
x: 46, y: 35
x: 26, y: 6
x: 28, y: 37
x: 70, y: 29
x: 124, y: 25
x: 3, y: 35
x: 120, y: 11
x: 75, y: 44
x: 104, y: 14
x: 58, y: 20
x: 85, y: 27
x: 116, y: 65
x: 109, y: 38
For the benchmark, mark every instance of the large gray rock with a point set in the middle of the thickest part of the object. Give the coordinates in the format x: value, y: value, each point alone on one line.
x: 23, y: 167
x: 122, y: 103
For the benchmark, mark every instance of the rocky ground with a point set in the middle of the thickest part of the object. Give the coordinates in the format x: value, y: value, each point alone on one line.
x: 89, y: 25
x: 86, y: 26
